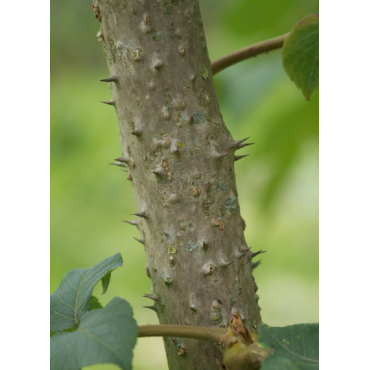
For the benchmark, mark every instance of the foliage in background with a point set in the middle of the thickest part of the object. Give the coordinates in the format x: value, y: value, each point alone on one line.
x: 277, y: 183
x: 301, y: 55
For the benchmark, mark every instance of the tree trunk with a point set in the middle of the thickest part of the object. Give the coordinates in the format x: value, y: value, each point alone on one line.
x: 180, y: 159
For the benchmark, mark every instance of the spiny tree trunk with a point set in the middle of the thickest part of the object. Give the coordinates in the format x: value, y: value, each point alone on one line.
x: 180, y: 158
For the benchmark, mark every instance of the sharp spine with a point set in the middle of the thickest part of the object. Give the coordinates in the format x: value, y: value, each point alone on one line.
x: 119, y: 164
x: 219, y: 156
x: 159, y: 171
x: 133, y: 223
x: 234, y: 144
x: 237, y: 157
x: 154, y: 297
x: 154, y: 308
x: 140, y: 214
x: 225, y: 264
x: 123, y: 159
x: 174, y: 148
x: 254, y: 254
x: 140, y: 240
x: 110, y: 102
x: 243, y: 145
x: 240, y: 254
x: 158, y: 64
x: 137, y: 132
x: 255, y: 264
x: 113, y: 78
x: 205, y: 245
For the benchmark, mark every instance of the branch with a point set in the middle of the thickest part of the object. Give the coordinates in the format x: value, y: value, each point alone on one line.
x: 248, y: 52
x: 215, y: 336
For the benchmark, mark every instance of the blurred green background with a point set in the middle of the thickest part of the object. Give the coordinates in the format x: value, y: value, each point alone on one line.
x: 277, y: 183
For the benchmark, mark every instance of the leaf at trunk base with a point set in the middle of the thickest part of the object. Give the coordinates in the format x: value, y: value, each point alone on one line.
x: 301, y: 55
x: 106, y: 335
x: 72, y: 298
x: 296, y: 347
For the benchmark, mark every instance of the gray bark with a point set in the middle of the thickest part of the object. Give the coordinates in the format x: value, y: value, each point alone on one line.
x: 180, y: 159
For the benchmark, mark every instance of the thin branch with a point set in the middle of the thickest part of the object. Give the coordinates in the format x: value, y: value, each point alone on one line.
x: 215, y: 336
x: 248, y: 52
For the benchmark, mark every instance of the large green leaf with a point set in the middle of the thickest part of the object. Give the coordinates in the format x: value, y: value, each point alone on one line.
x: 296, y: 347
x: 106, y: 335
x: 301, y: 55
x: 72, y: 298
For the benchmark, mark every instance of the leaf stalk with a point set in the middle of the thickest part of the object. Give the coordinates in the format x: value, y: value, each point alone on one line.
x: 247, y: 52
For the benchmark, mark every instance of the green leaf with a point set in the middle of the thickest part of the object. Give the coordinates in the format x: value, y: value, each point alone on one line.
x: 72, y: 298
x: 106, y: 335
x: 296, y: 347
x: 301, y: 55
x: 105, y: 282
x: 94, y: 303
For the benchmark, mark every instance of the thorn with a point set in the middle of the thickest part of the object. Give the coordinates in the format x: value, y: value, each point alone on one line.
x: 119, y: 164
x: 124, y: 170
x: 140, y: 214
x: 241, y: 254
x: 219, y: 156
x: 205, y: 245
x: 259, y: 308
x: 139, y: 240
x: 255, y: 286
x: 234, y: 144
x: 159, y: 171
x: 257, y: 297
x: 133, y: 223
x: 254, y: 254
x: 193, y: 307
x: 150, y: 289
x: 110, y: 102
x: 158, y: 64
x: 151, y: 296
x: 237, y: 157
x: 174, y: 148
x: 127, y: 160
x: 147, y: 272
x: 129, y: 177
x: 243, y: 223
x: 122, y: 159
x: 137, y: 132
x: 208, y: 269
x: 255, y: 264
x: 243, y: 145
x: 154, y: 308
x: 113, y: 78
x: 225, y: 264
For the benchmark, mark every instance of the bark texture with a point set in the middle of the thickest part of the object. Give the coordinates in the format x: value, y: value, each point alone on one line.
x: 180, y: 159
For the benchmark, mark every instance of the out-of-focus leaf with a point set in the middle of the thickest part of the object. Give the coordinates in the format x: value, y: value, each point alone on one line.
x: 296, y: 347
x: 301, y: 55
x: 72, y: 298
x: 106, y: 335
x: 105, y: 282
